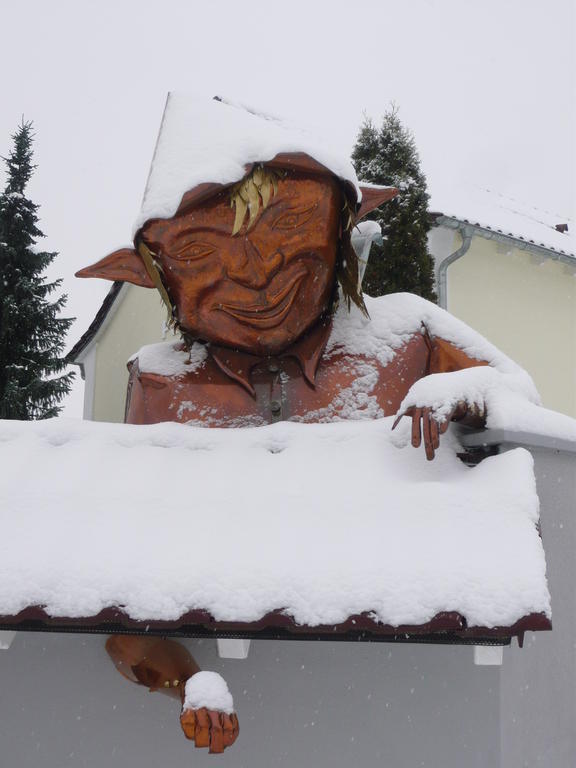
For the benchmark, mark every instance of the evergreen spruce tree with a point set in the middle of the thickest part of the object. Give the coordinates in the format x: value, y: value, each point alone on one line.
x: 31, y: 331
x: 389, y: 156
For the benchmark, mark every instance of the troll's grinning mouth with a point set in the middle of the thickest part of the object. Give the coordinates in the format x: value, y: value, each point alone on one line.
x: 270, y: 314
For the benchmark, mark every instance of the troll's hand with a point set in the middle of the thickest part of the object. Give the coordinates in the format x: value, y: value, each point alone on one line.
x: 210, y: 728
x: 207, y: 712
x: 436, y: 400
x: 428, y: 424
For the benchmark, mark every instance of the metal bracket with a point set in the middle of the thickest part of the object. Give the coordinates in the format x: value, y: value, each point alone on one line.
x: 233, y: 649
x: 488, y: 655
x: 6, y: 639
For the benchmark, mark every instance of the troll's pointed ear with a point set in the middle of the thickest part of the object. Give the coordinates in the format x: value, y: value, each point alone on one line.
x: 374, y: 196
x: 125, y: 265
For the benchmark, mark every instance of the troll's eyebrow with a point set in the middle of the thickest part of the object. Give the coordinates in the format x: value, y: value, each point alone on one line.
x: 212, y: 227
x: 293, y: 206
x: 207, y: 225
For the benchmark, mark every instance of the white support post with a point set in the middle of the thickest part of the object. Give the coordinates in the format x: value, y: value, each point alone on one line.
x: 488, y: 655
x: 233, y: 649
x: 6, y: 639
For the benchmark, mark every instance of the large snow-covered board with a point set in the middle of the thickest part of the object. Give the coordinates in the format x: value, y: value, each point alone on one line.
x: 317, y: 522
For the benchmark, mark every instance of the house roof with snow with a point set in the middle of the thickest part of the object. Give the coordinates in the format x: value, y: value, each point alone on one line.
x: 492, y: 213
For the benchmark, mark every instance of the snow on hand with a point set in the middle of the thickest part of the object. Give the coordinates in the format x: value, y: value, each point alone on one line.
x: 210, y: 690
x: 500, y: 395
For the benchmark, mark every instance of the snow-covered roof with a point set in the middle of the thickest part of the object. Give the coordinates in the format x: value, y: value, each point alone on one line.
x: 505, y: 215
x: 213, y: 141
x: 316, y: 523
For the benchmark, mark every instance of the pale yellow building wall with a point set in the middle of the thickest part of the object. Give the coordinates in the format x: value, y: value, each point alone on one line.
x: 139, y: 319
x: 526, y: 306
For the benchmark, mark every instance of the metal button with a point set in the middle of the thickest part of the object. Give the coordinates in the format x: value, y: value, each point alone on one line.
x: 275, y: 406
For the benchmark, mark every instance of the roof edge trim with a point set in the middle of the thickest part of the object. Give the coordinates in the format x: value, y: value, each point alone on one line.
x: 104, y: 315
x: 548, y: 251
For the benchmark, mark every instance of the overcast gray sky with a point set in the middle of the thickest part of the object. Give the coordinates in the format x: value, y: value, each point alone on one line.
x: 487, y: 89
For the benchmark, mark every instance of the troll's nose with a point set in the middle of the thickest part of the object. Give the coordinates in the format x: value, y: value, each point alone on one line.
x: 252, y: 268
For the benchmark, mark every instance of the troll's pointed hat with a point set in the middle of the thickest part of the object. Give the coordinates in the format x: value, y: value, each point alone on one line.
x: 207, y: 144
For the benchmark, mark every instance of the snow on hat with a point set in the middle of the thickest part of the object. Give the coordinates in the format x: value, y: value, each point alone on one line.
x: 205, y: 144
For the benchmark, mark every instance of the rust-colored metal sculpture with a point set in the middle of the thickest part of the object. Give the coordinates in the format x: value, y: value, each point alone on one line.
x: 165, y: 666
x: 251, y: 271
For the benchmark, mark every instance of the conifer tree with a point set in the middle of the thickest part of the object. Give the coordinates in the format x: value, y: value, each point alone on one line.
x: 31, y: 331
x: 388, y: 156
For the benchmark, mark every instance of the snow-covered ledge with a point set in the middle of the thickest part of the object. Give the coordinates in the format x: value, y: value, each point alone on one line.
x: 253, y: 575
x: 507, y: 437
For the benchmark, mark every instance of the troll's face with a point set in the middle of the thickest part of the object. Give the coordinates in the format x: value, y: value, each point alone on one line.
x: 258, y: 289
x: 261, y: 288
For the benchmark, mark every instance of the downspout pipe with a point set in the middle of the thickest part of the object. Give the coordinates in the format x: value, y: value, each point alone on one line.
x: 466, y: 232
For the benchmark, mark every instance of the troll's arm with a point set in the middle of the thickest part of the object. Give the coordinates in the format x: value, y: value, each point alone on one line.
x: 432, y: 404
x: 167, y: 667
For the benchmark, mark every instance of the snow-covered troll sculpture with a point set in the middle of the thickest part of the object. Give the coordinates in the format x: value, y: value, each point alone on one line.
x: 253, y: 275
x: 259, y: 276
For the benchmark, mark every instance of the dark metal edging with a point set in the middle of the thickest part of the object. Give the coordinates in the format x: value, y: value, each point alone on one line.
x: 448, y: 628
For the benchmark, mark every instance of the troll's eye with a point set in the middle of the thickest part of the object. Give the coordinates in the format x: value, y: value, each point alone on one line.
x: 294, y: 218
x: 192, y: 251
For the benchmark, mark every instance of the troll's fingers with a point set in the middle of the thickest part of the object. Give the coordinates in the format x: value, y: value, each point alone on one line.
x: 443, y: 426
x: 434, y: 432
x: 428, y: 445
x: 416, y: 428
x: 188, y: 723
x: 235, y: 726
x: 202, y: 737
x: 229, y: 729
x: 399, y: 417
x: 216, y: 733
